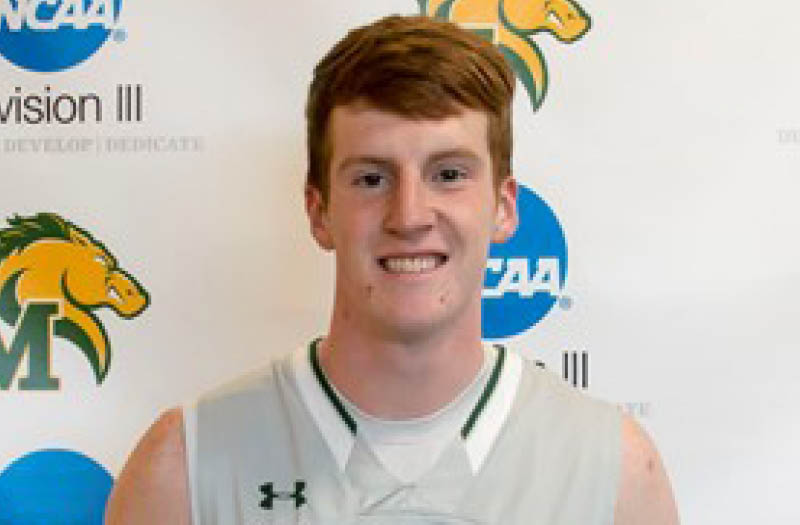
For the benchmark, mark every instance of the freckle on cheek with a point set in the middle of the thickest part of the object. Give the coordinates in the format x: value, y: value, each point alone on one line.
x: 650, y: 465
x: 370, y: 288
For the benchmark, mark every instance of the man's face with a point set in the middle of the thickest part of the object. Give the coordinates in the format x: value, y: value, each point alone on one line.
x: 411, y: 211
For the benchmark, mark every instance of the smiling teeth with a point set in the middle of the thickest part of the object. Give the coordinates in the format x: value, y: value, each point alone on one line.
x: 410, y: 264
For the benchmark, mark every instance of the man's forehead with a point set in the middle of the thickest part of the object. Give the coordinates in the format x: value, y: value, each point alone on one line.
x: 363, y: 129
x: 444, y: 111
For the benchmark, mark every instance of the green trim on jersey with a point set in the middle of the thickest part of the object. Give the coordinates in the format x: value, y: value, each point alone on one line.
x: 491, y: 384
x: 487, y: 392
x: 323, y: 382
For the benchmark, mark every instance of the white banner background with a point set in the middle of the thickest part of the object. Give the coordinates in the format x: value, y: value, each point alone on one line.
x: 668, y: 147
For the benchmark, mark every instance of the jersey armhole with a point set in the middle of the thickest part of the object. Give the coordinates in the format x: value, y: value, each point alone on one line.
x: 190, y: 442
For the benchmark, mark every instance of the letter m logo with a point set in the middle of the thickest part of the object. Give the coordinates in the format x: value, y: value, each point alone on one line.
x: 33, y: 336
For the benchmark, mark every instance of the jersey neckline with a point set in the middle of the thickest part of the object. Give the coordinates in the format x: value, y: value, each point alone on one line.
x: 350, y: 422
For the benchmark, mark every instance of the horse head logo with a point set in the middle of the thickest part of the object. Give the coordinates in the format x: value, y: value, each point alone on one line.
x: 46, y: 258
x: 511, y: 24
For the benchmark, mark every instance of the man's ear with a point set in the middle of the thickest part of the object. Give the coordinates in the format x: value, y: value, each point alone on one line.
x: 317, y: 212
x: 506, y: 219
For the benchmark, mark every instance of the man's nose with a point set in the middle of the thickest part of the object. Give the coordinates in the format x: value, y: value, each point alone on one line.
x: 409, y: 210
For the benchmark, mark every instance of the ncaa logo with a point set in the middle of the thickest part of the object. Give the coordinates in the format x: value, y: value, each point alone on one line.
x: 54, y: 35
x: 524, y: 275
x: 54, y: 486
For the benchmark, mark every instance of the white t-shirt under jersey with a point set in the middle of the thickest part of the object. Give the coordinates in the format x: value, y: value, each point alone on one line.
x: 407, y: 448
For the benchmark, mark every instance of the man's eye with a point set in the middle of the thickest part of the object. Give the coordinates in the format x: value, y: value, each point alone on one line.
x: 450, y: 175
x: 370, y: 180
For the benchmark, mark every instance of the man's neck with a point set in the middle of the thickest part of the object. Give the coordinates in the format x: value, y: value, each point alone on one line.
x: 400, y: 379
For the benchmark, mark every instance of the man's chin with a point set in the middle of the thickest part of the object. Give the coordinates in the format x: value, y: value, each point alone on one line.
x: 413, y: 324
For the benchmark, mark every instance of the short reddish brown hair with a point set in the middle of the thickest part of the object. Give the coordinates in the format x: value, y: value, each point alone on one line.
x: 417, y: 67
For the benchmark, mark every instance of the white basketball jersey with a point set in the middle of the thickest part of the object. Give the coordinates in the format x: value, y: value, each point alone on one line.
x: 278, y: 447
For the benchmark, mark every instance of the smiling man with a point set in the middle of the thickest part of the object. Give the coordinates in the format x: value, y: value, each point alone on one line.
x: 400, y: 414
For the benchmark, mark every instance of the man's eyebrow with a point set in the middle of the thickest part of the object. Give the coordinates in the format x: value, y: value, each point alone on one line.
x: 384, y: 162
x: 463, y: 153
x: 364, y: 159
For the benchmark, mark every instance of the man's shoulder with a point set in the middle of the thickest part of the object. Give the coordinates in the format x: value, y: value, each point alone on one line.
x: 152, y: 488
x: 645, y: 492
x: 597, y: 430
x: 256, y: 381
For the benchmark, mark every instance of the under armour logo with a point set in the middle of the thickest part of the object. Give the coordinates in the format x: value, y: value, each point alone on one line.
x: 270, y: 494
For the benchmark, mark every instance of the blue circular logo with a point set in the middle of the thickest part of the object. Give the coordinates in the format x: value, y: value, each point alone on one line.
x: 53, y: 35
x: 524, y: 275
x: 54, y: 487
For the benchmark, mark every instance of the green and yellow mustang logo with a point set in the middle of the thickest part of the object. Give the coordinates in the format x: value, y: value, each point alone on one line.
x: 53, y: 276
x: 510, y: 24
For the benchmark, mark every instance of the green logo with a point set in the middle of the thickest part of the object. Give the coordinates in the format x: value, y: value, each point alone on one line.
x: 511, y: 25
x: 53, y: 277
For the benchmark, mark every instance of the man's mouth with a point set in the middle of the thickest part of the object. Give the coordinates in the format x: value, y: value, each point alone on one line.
x: 412, y: 264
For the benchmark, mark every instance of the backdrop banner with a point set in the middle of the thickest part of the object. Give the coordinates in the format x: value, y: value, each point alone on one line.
x: 153, y: 240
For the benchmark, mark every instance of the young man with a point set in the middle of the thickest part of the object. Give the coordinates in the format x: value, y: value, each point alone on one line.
x: 401, y: 414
